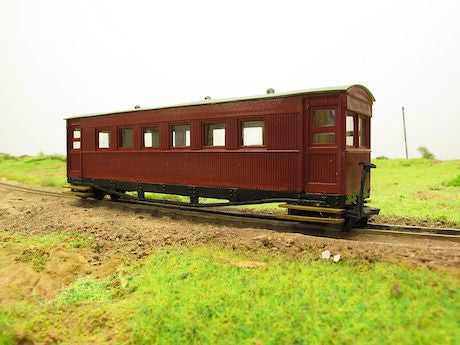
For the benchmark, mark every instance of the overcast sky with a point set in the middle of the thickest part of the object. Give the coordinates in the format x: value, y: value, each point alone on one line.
x: 61, y: 58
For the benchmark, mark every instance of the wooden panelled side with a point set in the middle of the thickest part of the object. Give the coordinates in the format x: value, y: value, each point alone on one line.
x: 137, y: 137
x: 323, y: 167
x: 74, y: 164
x: 353, y: 171
x: 88, y: 139
x: 165, y: 138
x: 266, y: 170
x: 196, y: 135
x: 114, y: 137
x: 231, y: 134
x: 282, y: 132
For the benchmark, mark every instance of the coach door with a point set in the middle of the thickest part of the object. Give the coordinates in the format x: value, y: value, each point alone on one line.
x: 74, y: 150
x: 322, y: 174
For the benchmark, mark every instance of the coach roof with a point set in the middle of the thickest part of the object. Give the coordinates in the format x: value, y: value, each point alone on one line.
x: 332, y: 89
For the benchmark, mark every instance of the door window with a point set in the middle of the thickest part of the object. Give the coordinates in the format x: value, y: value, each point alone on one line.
x: 324, y: 118
x: 324, y: 126
x: 76, y: 138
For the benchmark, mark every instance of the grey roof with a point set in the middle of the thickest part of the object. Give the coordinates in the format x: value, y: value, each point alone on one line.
x: 236, y: 99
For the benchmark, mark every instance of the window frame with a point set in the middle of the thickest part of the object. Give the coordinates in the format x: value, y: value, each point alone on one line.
x: 119, y: 131
x: 324, y: 129
x: 171, y: 136
x: 99, y: 130
x: 366, y: 129
x: 240, y: 132
x: 211, y: 122
x: 143, y: 128
x: 354, y: 116
x: 73, y: 139
x: 356, y: 136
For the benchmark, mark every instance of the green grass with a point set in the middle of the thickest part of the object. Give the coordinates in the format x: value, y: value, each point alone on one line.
x: 200, y: 296
x: 6, y: 337
x: 41, y: 170
x: 455, y: 182
x: 417, y: 188
x: 65, y: 238
x: 34, y: 249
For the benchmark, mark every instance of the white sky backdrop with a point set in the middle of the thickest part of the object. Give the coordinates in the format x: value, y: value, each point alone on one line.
x: 60, y: 58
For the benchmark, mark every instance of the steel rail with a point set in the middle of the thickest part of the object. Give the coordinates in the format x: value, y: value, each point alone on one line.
x: 451, y: 234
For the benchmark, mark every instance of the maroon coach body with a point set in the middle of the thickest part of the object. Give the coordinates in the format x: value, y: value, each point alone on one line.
x: 308, y: 147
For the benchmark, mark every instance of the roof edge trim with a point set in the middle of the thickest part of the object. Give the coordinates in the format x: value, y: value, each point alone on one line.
x: 236, y: 99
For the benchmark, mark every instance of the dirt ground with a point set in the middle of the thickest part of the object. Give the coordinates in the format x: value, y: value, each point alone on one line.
x: 122, y: 233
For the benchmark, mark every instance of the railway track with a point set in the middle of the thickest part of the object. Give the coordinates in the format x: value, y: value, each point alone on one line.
x: 251, y: 219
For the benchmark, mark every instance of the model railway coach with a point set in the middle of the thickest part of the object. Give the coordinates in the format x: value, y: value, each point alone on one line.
x: 309, y: 149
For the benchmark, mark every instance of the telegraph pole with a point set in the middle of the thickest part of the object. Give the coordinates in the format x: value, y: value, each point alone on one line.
x: 405, y: 138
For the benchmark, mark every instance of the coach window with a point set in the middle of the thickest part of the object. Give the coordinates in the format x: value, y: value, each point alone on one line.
x: 126, y: 137
x: 253, y: 133
x: 76, y: 133
x: 323, y: 131
x: 350, y: 129
x: 181, y: 136
x: 214, y: 134
x: 76, y: 145
x: 151, y: 137
x: 362, y: 131
x: 103, y: 139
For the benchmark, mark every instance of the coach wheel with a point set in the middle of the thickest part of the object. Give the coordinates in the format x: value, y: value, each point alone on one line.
x: 362, y: 223
x: 348, y: 224
x: 98, y: 194
x: 116, y: 197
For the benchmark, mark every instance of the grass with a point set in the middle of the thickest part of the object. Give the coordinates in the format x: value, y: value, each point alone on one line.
x: 36, y: 256
x: 417, y: 188
x: 41, y: 170
x: 65, y: 238
x: 34, y: 249
x: 455, y: 182
x: 201, y: 296
x: 414, y: 188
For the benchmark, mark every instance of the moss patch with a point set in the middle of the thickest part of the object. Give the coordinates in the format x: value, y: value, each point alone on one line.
x: 38, y: 257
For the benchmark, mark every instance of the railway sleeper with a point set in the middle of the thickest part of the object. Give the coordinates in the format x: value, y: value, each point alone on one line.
x: 312, y: 214
x: 80, y: 191
x: 353, y: 216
